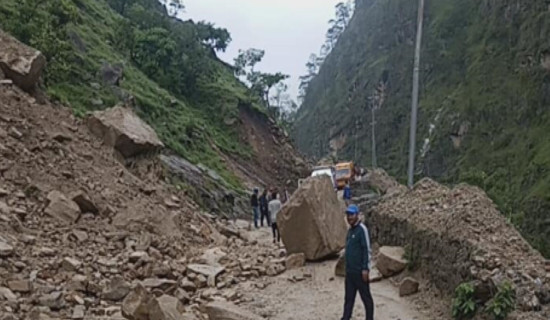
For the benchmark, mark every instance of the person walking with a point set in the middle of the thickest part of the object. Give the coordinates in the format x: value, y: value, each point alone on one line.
x: 264, y: 210
x: 274, y: 208
x: 254, y: 203
x: 347, y: 194
x: 358, y: 257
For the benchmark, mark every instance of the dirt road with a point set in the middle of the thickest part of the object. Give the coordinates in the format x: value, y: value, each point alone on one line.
x: 318, y: 294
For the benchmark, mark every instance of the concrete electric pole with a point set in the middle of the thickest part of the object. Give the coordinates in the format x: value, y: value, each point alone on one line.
x: 416, y: 75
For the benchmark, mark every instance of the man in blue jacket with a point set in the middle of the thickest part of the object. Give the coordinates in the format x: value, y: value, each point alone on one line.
x: 347, y: 193
x: 358, y: 256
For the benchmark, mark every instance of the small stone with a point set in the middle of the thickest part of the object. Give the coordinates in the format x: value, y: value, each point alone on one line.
x: 116, y: 290
x: 79, y: 312
x: 15, y: 133
x: 7, y: 294
x: 53, y: 300
x: 61, y: 137
x: 23, y: 286
x: 5, y: 250
x: 187, y: 285
x: 138, y: 255
x: 136, y: 304
x: 70, y: 264
x: 3, y: 192
x: 296, y: 260
x: 84, y: 203
x: 408, y: 286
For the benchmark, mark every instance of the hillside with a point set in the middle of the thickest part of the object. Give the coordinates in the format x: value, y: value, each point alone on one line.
x: 104, y: 52
x: 483, y: 103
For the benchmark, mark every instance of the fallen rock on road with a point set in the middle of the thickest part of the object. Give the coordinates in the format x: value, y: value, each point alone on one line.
x: 312, y: 222
x: 390, y: 261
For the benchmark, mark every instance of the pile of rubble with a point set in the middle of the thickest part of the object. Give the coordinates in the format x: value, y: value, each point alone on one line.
x: 489, y: 248
x: 81, y: 234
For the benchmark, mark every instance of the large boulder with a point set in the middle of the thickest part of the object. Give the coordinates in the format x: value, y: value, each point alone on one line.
x: 390, y: 261
x: 122, y: 129
x: 313, y: 221
x: 20, y: 63
x: 218, y: 310
x: 61, y: 208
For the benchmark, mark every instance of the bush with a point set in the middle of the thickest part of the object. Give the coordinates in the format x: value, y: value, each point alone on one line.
x: 464, y: 305
x: 413, y: 257
x: 503, y: 302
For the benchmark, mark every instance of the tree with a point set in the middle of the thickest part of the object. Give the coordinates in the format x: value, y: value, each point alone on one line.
x: 173, y: 7
x: 247, y: 60
x: 216, y: 38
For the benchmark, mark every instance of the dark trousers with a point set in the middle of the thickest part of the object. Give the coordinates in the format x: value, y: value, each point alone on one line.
x: 276, y: 234
x: 265, y: 214
x: 256, y: 213
x: 354, y: 283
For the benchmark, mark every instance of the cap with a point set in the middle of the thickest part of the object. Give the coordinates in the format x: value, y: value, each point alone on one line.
x: 352, y: 209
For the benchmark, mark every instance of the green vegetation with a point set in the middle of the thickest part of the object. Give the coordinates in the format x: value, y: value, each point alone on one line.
x: 503, y: 302
x: 464, y: 304
x: 485, y: 88
x: 169, y: 66
x: 412, y: 255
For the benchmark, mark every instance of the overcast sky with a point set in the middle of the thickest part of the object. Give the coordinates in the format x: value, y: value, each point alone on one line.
x: 288, y: 30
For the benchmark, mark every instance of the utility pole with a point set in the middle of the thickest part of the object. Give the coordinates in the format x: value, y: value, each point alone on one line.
x: 374, y: 164
x: 416, y: 74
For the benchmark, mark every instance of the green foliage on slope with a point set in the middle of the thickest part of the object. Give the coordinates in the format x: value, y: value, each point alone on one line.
x: 485, y: 88
x: 169, y: 66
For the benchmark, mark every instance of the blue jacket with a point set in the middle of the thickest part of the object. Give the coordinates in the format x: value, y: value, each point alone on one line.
x: 347, y: 193
x: 358, y: 249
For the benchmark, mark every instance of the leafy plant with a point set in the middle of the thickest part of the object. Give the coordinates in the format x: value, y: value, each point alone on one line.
x: 503, y: 302
x: 464, y: 304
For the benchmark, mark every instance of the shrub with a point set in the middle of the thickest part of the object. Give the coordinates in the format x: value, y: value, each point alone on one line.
x: 464, y: 305
x: 503, y: 302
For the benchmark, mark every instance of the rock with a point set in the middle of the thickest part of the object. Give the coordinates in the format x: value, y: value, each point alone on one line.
x: 61, y: 208
x: 7, y: 294
x: 206, y: 270
x: 311, y: 223
x: 138, y: 255
x: 79, y: 235
x: 78, y: 283
x: 182, y: 295
x: 111, y: 74
x: 5, y: 250
x: 136, y: 304
x: 70, y: 264
x: 187, y: 285
x: 79, y: 312
x: 52, y: 300
x: 15, y: 133
x: 122, y: 129
x: 23, y: 286
x: 61, y: 137
x: 340, y: 268
x: 375, y: 275
x: 229, y: 231
x: 20, y: 63
x: 116, y: 290
x: 390, y: 261
x: 166, y: 308
x: 84, y: 203
x: 218, y: 310
x: 408, y: 286
x: 162, y: 284
x: 295, y: 260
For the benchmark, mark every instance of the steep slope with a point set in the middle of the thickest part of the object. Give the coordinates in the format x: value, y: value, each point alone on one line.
x: 483, y: 101
x: 103, y: 52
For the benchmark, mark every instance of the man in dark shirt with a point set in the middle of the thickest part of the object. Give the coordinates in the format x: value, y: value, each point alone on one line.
x: 358, y: 255
x: 264, y: 211
x: 254, y: 203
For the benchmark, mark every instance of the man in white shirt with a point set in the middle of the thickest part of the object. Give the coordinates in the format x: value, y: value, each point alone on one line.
x: 274, y: 208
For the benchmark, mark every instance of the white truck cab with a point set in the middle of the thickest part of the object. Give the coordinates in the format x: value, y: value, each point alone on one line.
x: 325, y: 170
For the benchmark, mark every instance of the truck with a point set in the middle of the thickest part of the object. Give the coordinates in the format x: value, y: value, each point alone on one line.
x: 325, y: 170
x: 344, y: 174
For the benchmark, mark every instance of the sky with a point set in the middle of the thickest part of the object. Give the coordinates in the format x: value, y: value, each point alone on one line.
x: 288, y: 30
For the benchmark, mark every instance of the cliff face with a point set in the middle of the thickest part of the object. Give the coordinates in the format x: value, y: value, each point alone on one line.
x: 485, y: 93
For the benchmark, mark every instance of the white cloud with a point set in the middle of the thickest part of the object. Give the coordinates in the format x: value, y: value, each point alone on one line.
x: 288, y: 30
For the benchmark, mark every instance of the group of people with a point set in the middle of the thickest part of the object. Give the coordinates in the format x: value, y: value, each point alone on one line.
x: 358, y: 252
x: 266, y: 206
